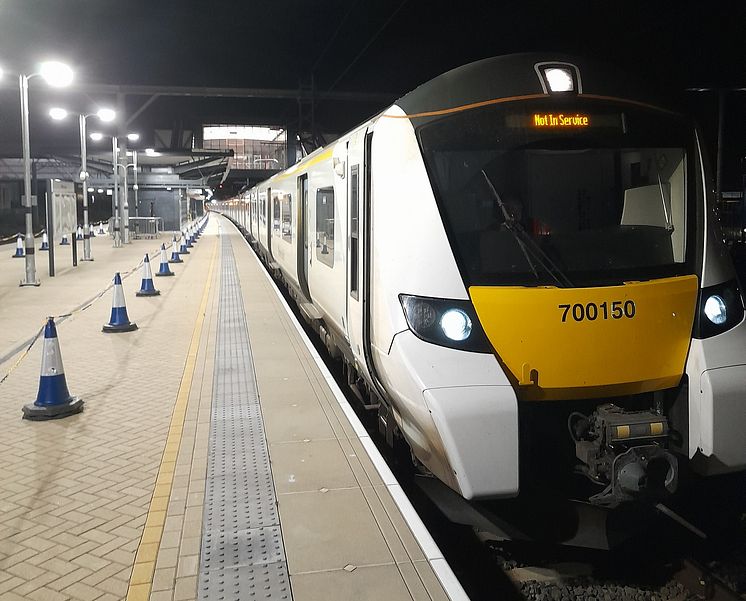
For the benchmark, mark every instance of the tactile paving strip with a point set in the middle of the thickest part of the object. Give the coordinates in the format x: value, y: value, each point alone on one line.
x: 242, y: 555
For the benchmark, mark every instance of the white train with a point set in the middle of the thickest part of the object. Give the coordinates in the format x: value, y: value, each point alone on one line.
x: 519, y: 263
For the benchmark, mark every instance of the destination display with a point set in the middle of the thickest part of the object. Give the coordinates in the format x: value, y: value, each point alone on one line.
x: 563, y: 120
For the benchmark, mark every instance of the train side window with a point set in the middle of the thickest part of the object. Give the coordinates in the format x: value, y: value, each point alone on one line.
x: 354, y: 230
x: 275, y: 214
x: 325, y: 225
x: 286, y: 205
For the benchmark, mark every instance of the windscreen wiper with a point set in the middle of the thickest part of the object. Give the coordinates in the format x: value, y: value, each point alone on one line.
x: 527, y: 244
x: 669, y: 224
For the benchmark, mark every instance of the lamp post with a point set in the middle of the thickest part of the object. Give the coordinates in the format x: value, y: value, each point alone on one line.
x: 115, y: 207
x: 104, y: 115
x: 56, y: 75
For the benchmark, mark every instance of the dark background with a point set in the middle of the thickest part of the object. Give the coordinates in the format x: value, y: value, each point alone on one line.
x: 377, y: 46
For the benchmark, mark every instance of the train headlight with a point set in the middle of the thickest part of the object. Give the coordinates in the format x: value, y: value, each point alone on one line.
x: 446, y: 322
x: 455, y: 324
x: 715, y: 309
x: 720, y: 308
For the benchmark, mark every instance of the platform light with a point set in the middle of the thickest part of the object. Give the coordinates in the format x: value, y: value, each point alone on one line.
x: 456, y: 324
x: 91, y: 189
x: 56, y: 74
x: 57, y: 113
x: 100, y: 190
x: 97, y: 136
x: 106, y: 115
x: 133, y: 137
x: 152, y: 153
x: 559, y: 79
x: 715, y: 309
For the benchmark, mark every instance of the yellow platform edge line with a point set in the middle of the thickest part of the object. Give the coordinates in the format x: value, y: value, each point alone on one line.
x: 141, y: 579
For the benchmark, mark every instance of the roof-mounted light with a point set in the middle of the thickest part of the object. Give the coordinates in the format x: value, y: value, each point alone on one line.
x: 557, y: 78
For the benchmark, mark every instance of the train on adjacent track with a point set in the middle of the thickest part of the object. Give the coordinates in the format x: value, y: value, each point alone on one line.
x: 520, y: 265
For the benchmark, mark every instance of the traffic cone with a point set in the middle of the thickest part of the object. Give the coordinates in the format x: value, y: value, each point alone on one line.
x: 119, y: 321
x: 53, y: 399
x: 44, y: 241
x: 175, y: 258
x: 91, y: 231
x: 80, y: 233
x: 164, y: 269
x: 183, y: 250
x: 147, y: 288
x: 189, y: 238
x: 64, y: 241
x: 19, y: 248
x: 101, y: 231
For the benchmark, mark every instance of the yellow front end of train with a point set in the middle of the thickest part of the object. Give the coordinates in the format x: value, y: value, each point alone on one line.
x: 574, y: 343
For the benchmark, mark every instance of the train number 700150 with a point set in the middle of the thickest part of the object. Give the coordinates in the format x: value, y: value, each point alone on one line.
x: 593, y: 311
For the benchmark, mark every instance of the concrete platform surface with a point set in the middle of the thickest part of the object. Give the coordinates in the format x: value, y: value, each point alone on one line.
x: 117, y: 502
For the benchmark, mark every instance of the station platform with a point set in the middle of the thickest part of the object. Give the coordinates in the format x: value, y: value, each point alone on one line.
x: 215, y: 458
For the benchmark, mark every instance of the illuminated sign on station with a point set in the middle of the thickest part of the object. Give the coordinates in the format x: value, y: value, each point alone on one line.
x: 560, y: 120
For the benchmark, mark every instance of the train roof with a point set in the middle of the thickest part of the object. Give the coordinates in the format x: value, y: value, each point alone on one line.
x: 516, y: 75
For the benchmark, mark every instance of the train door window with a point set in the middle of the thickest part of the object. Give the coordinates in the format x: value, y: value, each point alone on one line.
x: 354, y: 230
x: 325, y: 225
x: 286, y: 206
x: 275, y: 214
x: 263, y: 201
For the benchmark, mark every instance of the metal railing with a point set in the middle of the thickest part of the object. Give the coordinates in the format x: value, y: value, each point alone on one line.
x: 146, y: 227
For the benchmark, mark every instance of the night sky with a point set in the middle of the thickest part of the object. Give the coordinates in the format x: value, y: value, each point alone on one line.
x: 361, y: 45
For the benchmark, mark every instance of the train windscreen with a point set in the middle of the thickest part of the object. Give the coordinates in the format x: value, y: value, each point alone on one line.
x: 569, y: 193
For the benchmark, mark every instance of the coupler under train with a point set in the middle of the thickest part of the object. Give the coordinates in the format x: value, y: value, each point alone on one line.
x: 627, y: 452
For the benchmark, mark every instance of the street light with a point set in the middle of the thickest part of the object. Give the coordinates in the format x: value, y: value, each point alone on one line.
x: 57, y: 75
x: 103, y: 114
x: 96, y: 136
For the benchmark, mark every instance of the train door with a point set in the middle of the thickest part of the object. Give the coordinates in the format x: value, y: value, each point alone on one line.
x: 270, y: 219
x: 352, y: 171
x: 304, y: 256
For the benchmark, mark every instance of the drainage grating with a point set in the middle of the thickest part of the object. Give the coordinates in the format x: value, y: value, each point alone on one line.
x: 242, y: 555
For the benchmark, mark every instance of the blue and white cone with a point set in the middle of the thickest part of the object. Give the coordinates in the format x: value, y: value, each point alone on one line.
x: 44, y: 241
x: 53, y: 399
x: 119, y: 321
x: 146, y: 287
x: 189, y: 238
x: 64, y: 241
x: 175, y: 258
x: 183, y: 250
x: 101, y: 231
x: 164, y: 269
x: 19, y: 248
x: 80, y: 233
x: 91, y: 231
